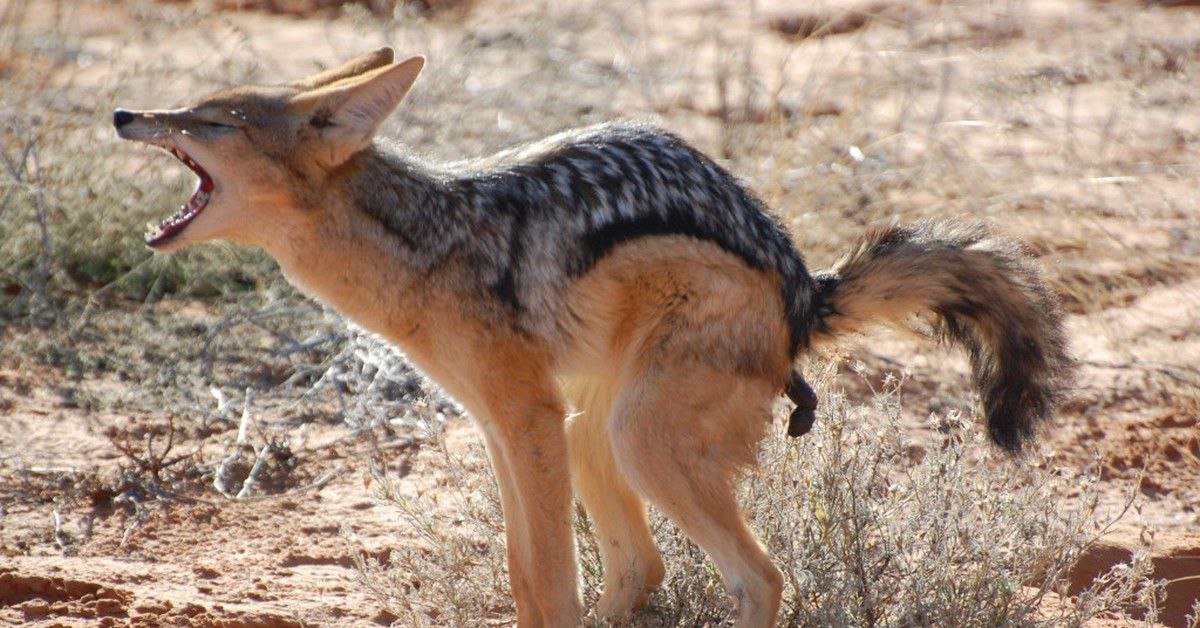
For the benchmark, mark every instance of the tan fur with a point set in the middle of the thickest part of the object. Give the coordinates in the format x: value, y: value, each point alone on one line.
x: 679, y: 343
x: 671, y: 362
x: 668, y: 354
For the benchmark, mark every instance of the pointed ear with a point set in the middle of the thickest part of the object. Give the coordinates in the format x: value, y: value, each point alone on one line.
x: 346, y: 114
x: 354, y: 67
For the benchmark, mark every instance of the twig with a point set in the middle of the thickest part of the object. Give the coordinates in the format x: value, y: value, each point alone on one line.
x: 61, y: 538
x: 139, y: 514
x: 149, y: 459
x: 222, y: 401
x: 260, y: 462
x: 222, y: 476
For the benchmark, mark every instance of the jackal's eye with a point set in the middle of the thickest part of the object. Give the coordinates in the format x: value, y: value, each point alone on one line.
x: 321, y: 120
x: 218, y: 126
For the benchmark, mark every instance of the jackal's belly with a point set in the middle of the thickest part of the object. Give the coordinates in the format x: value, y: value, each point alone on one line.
x: 677, y: 292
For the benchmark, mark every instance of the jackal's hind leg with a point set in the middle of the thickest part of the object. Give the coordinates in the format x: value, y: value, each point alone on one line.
x: 633, y: 567
x: 680, y: 433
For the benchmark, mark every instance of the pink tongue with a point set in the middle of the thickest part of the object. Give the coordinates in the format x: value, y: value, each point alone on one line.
x: 189, y: 210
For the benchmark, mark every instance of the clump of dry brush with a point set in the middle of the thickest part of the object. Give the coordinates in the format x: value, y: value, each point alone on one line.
x: 868, y: 529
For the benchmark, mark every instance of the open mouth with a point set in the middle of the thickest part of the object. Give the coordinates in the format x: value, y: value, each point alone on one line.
x: 177, y: 222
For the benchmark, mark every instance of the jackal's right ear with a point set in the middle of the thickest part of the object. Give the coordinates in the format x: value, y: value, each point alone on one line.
x: 346, y: 114
x: 354, y: 67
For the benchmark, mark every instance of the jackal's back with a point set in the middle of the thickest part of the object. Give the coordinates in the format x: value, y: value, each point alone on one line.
x: 536, y: 217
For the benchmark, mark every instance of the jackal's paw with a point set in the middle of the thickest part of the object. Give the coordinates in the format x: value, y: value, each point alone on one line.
x: 618, y: 603
x: 624, y: 596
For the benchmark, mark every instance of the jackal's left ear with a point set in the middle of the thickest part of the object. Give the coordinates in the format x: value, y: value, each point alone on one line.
x: 347, y: 113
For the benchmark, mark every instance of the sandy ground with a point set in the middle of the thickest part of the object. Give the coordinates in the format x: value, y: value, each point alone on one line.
x: 1079, y: 151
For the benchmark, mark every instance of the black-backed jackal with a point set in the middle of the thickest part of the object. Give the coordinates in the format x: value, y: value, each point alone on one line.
x: 615, y: 270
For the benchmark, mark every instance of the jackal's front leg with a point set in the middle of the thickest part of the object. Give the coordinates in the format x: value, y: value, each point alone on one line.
x: 527, y: 444
x: 528, y: 614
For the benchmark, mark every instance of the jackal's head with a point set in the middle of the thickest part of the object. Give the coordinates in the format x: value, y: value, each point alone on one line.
x: 263, y: 154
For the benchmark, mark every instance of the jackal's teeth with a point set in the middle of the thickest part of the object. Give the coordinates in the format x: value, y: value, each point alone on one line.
x: 189, y: 210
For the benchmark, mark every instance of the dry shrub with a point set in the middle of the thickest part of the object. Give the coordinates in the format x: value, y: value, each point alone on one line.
x: 71, y: 229
x: 378, y: 8
x: 303, y: 7
x: 455, y: 574
x: 377, y: 386
x: 866, y: 533
x: 826, y: 21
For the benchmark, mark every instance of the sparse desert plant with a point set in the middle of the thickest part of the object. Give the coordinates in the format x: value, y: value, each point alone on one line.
x: 71, y: 230
x: 1077, y: 133
x: 380, y: 385
x: 455, y: 573
x: 868, y: 530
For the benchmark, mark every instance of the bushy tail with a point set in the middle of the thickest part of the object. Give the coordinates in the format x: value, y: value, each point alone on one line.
x: 982, y: 292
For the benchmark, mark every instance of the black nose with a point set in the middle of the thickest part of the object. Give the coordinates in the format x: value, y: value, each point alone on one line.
x: 122, y: 117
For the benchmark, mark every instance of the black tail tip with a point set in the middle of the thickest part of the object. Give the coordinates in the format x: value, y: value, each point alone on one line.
x: 1014, y: 413
x: 1009, y: 436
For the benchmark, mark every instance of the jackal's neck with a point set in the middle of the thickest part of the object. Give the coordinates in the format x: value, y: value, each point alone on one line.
x: 372, y: 250
x: 415, y: 202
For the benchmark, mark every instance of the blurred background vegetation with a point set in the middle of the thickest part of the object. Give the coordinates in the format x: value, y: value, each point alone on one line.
x: 1069, y: 123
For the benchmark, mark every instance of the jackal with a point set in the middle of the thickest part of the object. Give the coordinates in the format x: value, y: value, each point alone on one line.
x: 615, y: 270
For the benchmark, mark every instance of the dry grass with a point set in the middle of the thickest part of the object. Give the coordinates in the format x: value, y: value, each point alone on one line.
x: 867, y: 531
x: 1070, y: 125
